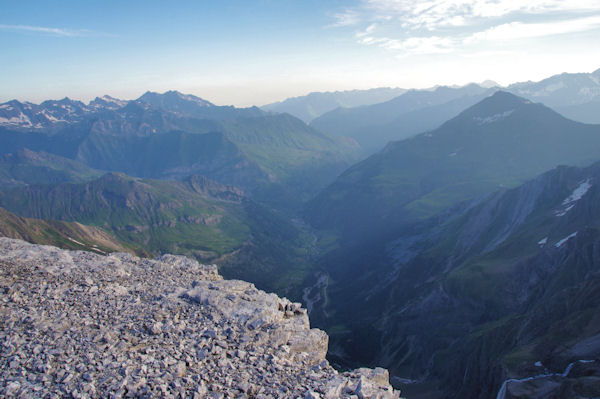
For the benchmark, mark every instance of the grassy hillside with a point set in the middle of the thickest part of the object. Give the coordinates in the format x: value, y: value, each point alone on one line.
x: 27, y: 167
x: 68, y: 235
x: 196, y: 217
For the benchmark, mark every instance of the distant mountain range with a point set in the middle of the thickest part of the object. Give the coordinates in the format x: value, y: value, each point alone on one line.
x: 173, y: 135
x: 373, y: 124
x: 573, y: 95
x: 316, y: 104
x: 54, y: 114
x: 413, y: 112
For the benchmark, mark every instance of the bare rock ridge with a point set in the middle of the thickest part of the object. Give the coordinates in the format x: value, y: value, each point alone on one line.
x: 78, y: 324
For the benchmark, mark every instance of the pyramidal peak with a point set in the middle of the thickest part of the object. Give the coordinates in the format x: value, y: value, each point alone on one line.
x: 495, y: 107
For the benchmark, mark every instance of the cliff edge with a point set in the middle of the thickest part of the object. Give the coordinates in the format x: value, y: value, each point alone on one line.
x: 83, y: 325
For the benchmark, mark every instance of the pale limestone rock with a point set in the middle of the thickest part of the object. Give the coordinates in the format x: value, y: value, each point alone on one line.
x: 78, y: 324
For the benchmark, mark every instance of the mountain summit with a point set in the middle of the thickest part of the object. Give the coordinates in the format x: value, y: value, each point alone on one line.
x: 173, y: 99
x: 499, y: 142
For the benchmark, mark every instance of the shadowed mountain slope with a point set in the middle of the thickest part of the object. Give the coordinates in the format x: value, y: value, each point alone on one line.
x: 499, y: 142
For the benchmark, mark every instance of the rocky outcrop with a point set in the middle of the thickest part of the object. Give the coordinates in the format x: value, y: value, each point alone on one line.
x: 78, y: 324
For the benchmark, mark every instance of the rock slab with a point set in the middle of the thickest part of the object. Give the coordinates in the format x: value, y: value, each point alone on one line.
x: 77, y: 324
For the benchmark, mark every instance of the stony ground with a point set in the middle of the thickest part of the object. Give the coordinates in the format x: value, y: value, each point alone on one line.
x: 82, y: 325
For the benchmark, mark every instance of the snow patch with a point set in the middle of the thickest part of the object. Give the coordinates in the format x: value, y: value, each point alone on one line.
x: 543, y: 241
x: 575, y: 196
x: 493, y: 118
x: 588, y: 93
x: 51, y: 117
x: 114, y: 101
x: 21, y: 119
x: 75, y: 241
x: 567, y: 238
x: 538, y: 364
x: 6, y: 106
x: 555, y: 86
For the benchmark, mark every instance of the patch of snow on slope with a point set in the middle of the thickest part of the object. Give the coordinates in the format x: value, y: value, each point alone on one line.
x: 543, y: 241
x: 22, y: 120
x: 551, y: 88
x: 51, y: 117
x: 588, y: 93
x: 579, y: 192
x: 112, y: 100
x: 75, y: 241
x: 493, y: 118
x: 575, y: 196
x: 567, y: 238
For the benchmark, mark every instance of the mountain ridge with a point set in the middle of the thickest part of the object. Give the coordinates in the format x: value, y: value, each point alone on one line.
x: 271, y: 155
x: 315, y: 104
x: 420, y: 176
x: 413, y: 112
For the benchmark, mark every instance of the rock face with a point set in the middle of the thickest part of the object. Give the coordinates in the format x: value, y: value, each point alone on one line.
x: 79, y: 324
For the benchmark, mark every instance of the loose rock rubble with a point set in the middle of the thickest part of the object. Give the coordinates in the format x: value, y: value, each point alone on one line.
x: 82, y: 325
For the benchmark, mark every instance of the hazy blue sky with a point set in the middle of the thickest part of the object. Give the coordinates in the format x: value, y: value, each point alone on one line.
x: 253, y: 52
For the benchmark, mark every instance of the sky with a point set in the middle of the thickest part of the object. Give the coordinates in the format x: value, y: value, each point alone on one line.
x: 253, y: 52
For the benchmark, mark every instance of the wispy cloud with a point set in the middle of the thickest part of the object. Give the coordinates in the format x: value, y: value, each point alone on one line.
x: 346, y: 18
x: 413, y: 45
x: 519, y: 30
x: 444, y: 26
x: 369, y: 30
x: 434, y: 14
x: 42, y: 30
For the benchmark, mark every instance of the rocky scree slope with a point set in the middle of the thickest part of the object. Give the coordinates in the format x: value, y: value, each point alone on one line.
x: 79, y: 324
